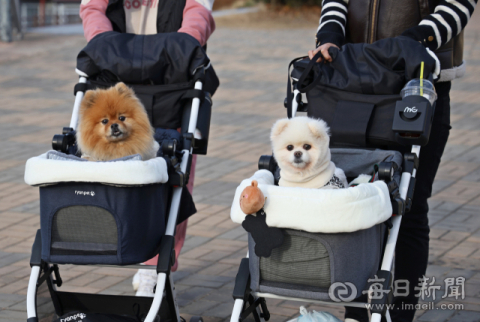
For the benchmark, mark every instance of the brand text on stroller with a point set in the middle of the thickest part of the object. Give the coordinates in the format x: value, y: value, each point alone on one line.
x: 76, y: 317
x: 410, y: 109
x: 85, y: 193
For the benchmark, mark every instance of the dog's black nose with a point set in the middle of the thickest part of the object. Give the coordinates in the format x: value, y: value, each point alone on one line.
x: 298, y: 154
x: 114, y: 126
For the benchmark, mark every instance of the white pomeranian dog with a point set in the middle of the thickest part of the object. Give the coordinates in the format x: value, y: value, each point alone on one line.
x: 301, y: 149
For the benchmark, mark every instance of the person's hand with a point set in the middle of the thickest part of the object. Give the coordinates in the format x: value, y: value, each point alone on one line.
x: 324, y: 49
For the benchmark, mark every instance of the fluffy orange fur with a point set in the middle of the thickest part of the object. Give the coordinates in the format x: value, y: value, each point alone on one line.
x: 112, y: 124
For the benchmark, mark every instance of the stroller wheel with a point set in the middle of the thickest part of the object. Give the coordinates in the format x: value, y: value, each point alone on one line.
x: 196, y: 319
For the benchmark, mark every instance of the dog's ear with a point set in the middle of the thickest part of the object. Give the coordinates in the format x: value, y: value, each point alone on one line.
x: 89, y: 99
x: 319, y: 128
x: 124, y: 89
x: 279, y: 127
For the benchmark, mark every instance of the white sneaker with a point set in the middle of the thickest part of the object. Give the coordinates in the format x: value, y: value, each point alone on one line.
x: 136, y: 280
x: 147, y: 279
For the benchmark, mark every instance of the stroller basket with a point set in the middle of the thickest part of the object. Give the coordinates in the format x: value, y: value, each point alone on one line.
x: 115, y: 225
x: 308, y: 263
x: 96, y: 223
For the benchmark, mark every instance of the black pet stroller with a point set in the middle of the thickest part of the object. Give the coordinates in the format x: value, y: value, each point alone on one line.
x: 123, y: 212
x: 339, y: 244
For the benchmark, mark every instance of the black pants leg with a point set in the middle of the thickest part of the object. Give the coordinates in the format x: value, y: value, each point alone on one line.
x: 411, y: 253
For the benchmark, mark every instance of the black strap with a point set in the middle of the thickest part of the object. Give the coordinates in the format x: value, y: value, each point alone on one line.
x: 308, y: 69
x: 194, y: 93
x: 82, y: 87
x: 301, y: 80
x: 289, y: 87
x: 199, y: 75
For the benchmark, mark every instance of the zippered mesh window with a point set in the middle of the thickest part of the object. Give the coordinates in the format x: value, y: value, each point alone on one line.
x: 84, y: 230
x: 300, y: 260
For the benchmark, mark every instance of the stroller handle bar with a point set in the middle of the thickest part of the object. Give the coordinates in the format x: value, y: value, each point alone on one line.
x: 78, y: 100
x: 172, y: 216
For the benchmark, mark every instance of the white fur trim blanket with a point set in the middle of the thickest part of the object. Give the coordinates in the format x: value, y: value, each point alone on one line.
x: 319, y: 210
x: 40, y: 171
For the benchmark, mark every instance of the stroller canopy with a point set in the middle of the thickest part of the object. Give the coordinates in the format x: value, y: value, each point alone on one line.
x: 158, y: 59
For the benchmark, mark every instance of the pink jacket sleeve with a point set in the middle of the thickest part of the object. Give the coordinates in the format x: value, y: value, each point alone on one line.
x: 93, y: 17
x: 197, y: 20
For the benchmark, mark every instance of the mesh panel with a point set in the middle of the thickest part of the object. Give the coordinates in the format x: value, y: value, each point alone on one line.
x: 300, y: 260
x: 84, y: 230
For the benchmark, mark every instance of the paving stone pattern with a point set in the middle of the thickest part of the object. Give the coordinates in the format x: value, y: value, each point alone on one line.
x: 36, y: 83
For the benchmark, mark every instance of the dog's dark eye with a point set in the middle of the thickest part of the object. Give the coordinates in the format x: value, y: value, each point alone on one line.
x: 307, y: 146
x: 122, y: 118
x: 104, y: 121
x: 290, y: 147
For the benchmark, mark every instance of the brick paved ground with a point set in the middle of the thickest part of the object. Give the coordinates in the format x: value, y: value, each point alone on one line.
x: 36, y: 81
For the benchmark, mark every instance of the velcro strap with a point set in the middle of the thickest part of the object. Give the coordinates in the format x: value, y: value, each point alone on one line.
x: 194, y: 93
x: 82, y: 87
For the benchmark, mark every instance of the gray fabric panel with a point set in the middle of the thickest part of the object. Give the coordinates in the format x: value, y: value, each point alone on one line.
x: 300, y: 260
x: 354, y: 257
x: 55, y: 155
x: 321, y: 296
x: 254, y: 264
x: 83, y: 246
x: 360, y: 161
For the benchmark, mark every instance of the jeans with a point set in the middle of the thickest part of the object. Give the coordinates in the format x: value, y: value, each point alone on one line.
x: 411, y: 253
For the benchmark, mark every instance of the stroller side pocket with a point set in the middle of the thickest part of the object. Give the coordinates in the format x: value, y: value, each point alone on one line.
x: 358, y: 120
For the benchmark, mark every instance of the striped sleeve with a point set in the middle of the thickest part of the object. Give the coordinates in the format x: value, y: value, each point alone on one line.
x: 448, y: 20
x: 332, y: 22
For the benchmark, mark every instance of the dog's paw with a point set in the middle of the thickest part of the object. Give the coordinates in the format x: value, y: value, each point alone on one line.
x: 341, y: 175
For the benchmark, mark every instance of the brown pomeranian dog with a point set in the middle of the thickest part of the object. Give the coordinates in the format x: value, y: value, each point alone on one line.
x: 113, y: 124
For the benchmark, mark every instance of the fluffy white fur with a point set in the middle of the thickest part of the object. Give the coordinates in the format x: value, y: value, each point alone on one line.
x: 300, y: 146
x: 40, y: 170
x: 318, y: 210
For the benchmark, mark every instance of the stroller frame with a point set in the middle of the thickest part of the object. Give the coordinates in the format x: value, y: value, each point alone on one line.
x: 49, y: 272
x: 248, y: 302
